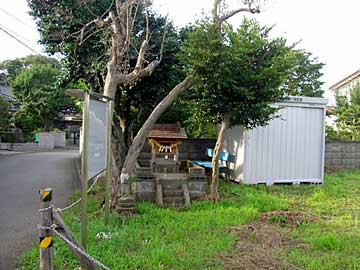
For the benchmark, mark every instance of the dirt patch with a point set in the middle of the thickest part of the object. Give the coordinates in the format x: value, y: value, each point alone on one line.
x: 262, y: 243
x: 287, y: 218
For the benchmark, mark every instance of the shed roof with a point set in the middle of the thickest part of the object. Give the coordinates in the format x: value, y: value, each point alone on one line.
x: 167, y: 131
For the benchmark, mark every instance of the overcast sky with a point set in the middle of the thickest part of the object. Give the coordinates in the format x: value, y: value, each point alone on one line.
x: 328, y: 29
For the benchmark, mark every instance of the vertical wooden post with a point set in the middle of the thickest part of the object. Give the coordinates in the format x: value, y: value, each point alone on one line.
x: 108, y: 163
x: 45, y: 235
x: 85, y: 153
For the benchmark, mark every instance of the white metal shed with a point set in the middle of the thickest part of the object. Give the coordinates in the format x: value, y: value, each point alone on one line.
x: 288, y: 150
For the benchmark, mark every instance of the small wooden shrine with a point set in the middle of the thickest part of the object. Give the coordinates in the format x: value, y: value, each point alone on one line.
x: 165, y: 140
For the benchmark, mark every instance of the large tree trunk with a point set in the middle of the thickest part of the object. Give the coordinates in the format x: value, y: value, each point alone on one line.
x: 118, y: 150
x: 117, y: 139
x: 214, y: 193
x: 140, y: 138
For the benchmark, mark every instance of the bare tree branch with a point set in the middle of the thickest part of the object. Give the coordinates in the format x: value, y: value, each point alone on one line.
x: 91, y: 12
x: 215, y: 10
x: 143, y: 48
x: 89, y: 36
x: 163, y: 41
x: 108, y: 10
x: 135, y: 15
x: 218, y: 19
x: 229, y: 14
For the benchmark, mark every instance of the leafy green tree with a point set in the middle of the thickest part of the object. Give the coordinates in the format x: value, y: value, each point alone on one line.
x: 347, y: 115
x: 119, y: 47
x: 86, y: 55
x: 41, y: 100
x: 305, y: 76
x: 238, y: 76
x: 304, y: 79
x: 9, y: 69
x: 127, y: 64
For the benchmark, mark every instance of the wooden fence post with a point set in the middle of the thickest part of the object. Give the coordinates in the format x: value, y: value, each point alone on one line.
x: 46, y: 237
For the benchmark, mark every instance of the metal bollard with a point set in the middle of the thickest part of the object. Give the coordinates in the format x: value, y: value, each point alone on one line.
x: 46, y: 235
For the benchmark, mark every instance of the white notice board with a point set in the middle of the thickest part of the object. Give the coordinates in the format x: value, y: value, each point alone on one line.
x: 97, y: 138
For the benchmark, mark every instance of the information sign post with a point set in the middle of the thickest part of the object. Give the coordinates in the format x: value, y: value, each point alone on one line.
x: 96, y: 149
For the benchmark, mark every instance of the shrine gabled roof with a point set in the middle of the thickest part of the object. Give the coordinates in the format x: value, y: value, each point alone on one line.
x: 167, y: 131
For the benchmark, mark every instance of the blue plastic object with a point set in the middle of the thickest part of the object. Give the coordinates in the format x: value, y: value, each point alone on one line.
x: 224, y: 156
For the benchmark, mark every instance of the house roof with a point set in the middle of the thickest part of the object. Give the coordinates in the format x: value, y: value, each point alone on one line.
x: 345, y: 80
x: 6, y: 92
x: 167, y: 131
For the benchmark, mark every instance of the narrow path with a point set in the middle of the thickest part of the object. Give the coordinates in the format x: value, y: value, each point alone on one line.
x: 21, y: 177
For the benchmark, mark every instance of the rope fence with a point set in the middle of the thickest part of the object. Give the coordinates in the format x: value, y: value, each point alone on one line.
x: 79, y: 200
x: 52, y: 224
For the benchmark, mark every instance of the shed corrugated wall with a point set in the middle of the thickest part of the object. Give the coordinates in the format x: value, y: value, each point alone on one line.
x: 289, y: 149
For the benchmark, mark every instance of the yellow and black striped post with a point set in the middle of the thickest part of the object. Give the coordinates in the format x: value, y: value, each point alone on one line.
x: 46, y: 235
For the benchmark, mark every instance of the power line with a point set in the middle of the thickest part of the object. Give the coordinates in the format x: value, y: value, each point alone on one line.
x: 16, y: 34
x: 27, y: 46
x: 16, y: 18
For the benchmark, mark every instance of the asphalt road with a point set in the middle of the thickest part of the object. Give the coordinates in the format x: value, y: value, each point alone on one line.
x: 21, y: 177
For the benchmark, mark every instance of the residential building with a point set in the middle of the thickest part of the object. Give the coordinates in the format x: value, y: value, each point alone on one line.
x: 344, y: 86
x: 7, y: 94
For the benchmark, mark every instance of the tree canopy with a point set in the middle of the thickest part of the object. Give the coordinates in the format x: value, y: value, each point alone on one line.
x: 86, y: 53
x: 239, y: 74
x: 9, y: 69
x: 41, y: 98
x: 305, y: 76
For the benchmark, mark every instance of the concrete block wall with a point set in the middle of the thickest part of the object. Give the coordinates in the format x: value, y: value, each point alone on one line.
x: 20, y: 147
x: 46, y: 139
x: 342, y: 155
x: 59, y: 139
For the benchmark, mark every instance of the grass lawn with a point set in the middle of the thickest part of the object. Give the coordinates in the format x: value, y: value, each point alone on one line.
x: 196, y: 237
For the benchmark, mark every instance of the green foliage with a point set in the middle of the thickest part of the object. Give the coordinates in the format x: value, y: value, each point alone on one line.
x: 60, y: 23
x: 304, y: 77
x: 179, y: 239
x: 226, y: 64
x: 41, y: 99
x: 331, y: 133
x: 161, y: 238
x: 184, y: 110
x: 347, y: 115
x: 238, y: 73
x: 10, y: 69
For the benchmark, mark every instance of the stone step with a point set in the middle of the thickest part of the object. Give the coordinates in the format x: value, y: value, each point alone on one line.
x: 172, y: 186
x: 173, y: 200
x: 173, y: 182
x: 173, y: 192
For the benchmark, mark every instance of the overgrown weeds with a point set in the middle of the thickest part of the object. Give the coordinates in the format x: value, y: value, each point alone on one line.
x: 196, y: 238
